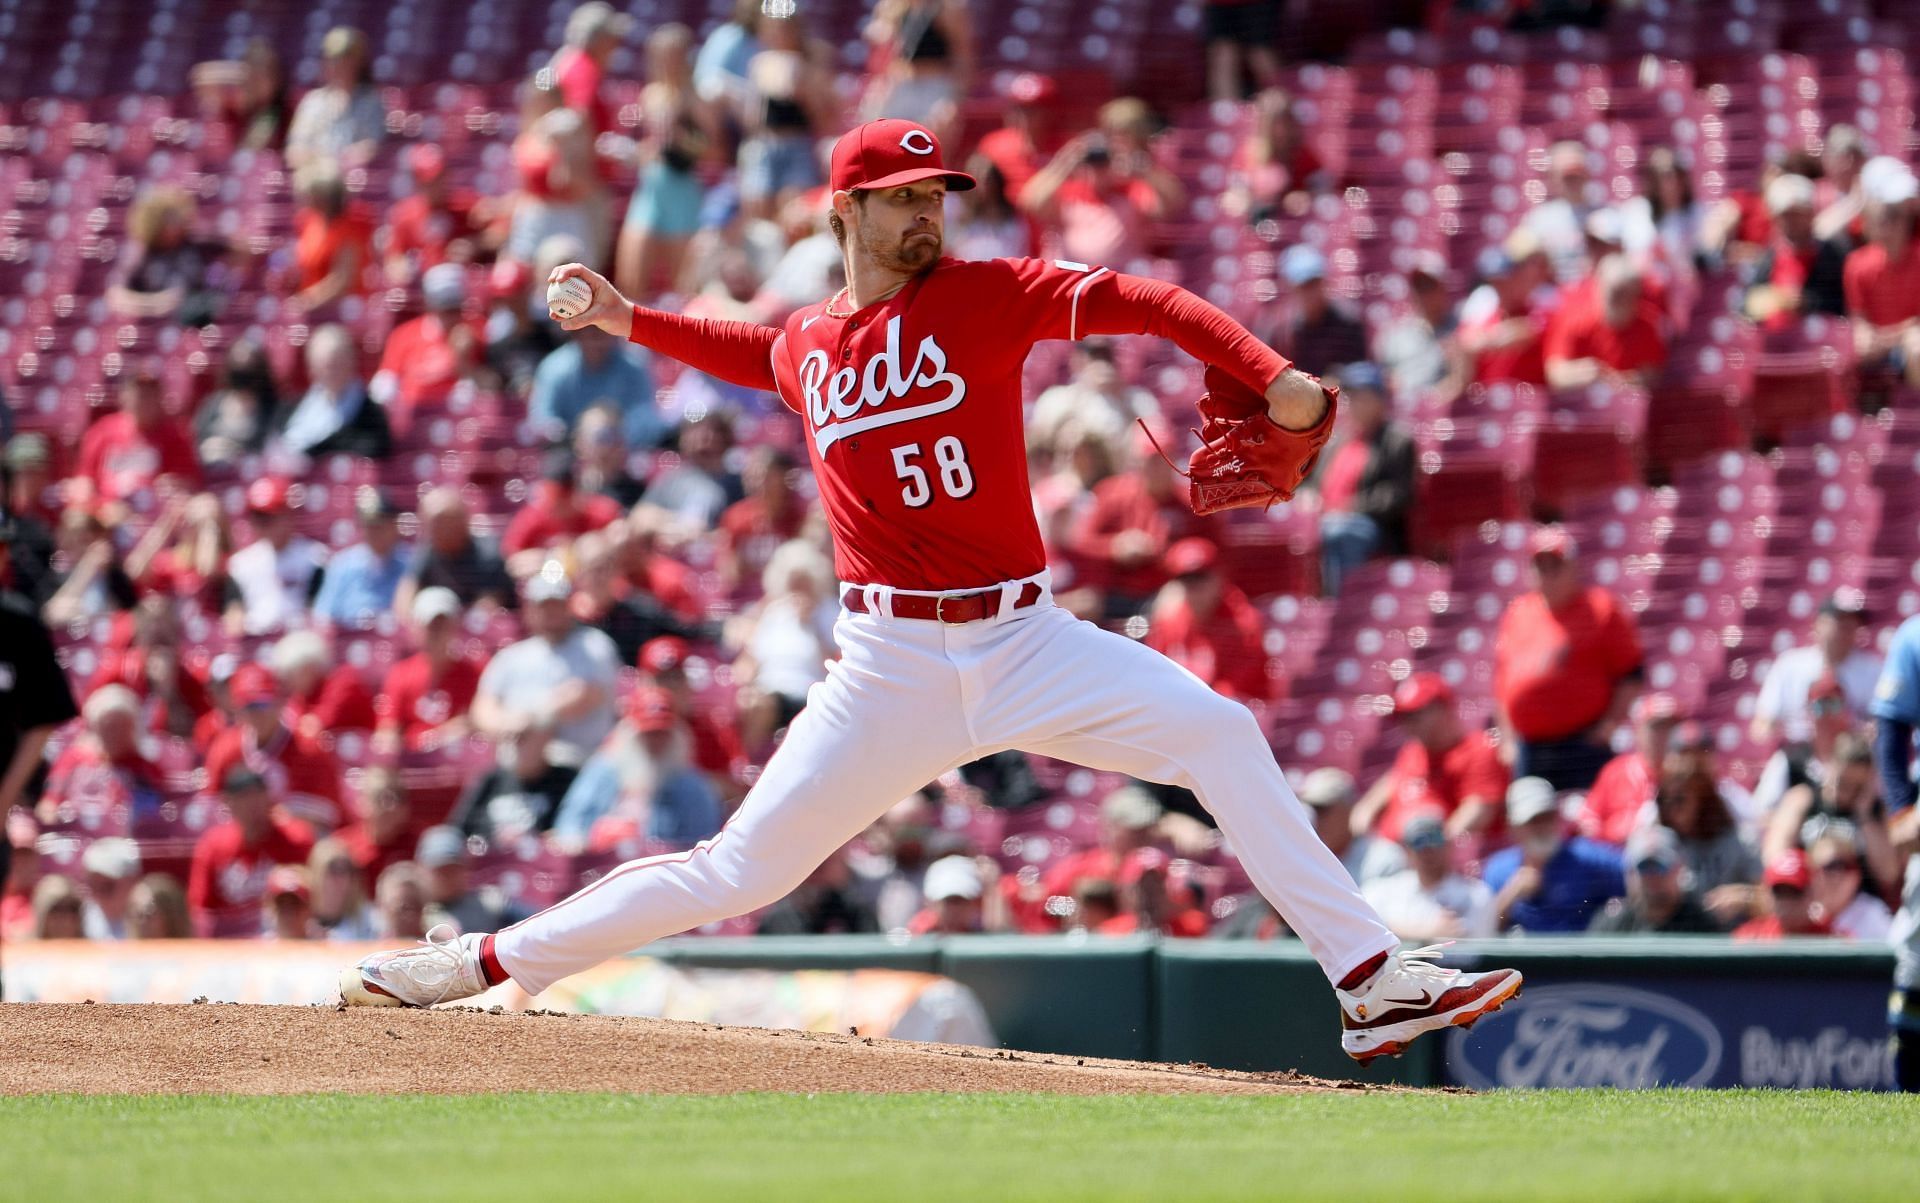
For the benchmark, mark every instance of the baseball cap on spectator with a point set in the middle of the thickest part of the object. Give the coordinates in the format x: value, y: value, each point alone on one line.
x: 438, y: 846
x: 253, y: 685
x: 1131, y: 808
x: 1328, y: 787
x: 435, y: 601
x: 1425, y: 829
x: 1429, y: 264
x: 889, y: 153
x: 663, y: 654
x: 1192, y: 556
x: 1031, y: 87
x: 1847, y: 603
x: 1888, y: 181
x: 1142, y: 861
x: 510, y: 278
x: 284, y: 880
x: 444, y: 286
x: 1788, y: 192
x: 115, y: 857
x: 1788, y: 869
x: 29, y: 450
x: 594, y: 18
x: 1302, y: 264
x: 270, y: 495
x: 221, y: 669
x: 342, y: 40
x: 1362, y: 375
x: 1653, y: 849
x: 1604, y: 225
x: 1529, y: 798
x: 426, y: 162
x: 373, y: 505
x: 1551, y: 540
x: 651, y: 709
x: 952, y: 877
x: 551, y: 583
x: 240, y: 779
x: 1420, y: 691
x: 1655, y: 708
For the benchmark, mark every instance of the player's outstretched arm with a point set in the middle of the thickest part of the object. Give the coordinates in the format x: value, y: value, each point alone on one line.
x: 737, y: 352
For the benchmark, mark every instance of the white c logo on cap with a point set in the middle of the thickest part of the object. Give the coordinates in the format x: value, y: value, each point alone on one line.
x: 917, y: 141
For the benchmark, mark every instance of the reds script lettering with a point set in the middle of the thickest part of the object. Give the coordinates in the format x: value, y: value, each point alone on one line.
x: 836, y: 413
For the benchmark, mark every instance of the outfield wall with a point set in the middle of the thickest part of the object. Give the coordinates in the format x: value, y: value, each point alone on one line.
x: 1646, y: 1011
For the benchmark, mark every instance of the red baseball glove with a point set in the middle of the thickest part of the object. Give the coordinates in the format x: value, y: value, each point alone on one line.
x: 1248, y: 459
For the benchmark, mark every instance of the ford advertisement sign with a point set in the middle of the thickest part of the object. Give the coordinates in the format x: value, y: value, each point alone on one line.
x: 1680, y: 1032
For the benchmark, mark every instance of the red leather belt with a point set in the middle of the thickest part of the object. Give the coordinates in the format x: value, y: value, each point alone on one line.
x: 947, y: 607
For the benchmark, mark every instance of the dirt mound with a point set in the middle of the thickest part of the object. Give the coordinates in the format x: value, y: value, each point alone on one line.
x: 228, y: 1048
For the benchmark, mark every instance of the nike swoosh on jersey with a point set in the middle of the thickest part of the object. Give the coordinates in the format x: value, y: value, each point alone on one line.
x: 808, y: 321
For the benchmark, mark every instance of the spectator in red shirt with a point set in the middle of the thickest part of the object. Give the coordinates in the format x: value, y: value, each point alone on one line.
x: 1151, y: 902
x: 1789, y: 909
x: 555, y: 512
x: 423, y: 702
x: 231, y: 862
x: 1441, y: 768
x: 174, y: 695
x: 1613, y: 339
x: 594, y: 31
x: 332, y: 237
x: 140, y: 448
x: 1503, y: 341
x: 1014, y: 148
x: 428, y: 356
x: 321, y: 696
x: 1882, y: 282
x: 1275, y: 165
x: 716, y: 747
x: 1096, y: 204
x: 386, y: 838
x: 1613, y: 807
x: 771, y: 513
x: 1365, y: 480
x: 1208, y: 626
x: 437, y: 224
x: 956, y: 894
x: 100, y: 783
x: 1121, y: 540
x: 1129, y: 821
x: 1798, y: 273
x: 303, y: 777
x: 184, y: 557
x: 1567, y: 665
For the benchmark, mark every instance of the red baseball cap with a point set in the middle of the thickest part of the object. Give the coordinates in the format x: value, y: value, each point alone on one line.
x: 663, y: 653
x: 889, y: 153
x: 253, y: 684
x: 1192, y: 555
x: 1656, y: 708
x: 1420, y: 691
x: 1030, y: 87
x: 287, y: 879
x: 268, y: 495
x: 1552, y: 540
x: 652, y: 710
x: 1789, y: 869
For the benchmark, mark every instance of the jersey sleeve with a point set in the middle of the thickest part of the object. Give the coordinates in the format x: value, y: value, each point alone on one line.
x: 1062, y: 299
x: 1897, y: 696
x: 737, y: 352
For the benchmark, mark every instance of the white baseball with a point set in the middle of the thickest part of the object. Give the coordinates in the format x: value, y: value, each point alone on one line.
x: 569, y: 297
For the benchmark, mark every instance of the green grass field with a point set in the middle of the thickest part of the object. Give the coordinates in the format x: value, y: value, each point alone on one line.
x: 971, y: 1148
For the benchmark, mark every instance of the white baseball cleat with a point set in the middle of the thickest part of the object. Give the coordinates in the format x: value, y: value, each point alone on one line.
x: 445, y: 967
x: 1409, y: 997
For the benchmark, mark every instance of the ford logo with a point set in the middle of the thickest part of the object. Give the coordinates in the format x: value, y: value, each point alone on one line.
x: 1565, y: 1036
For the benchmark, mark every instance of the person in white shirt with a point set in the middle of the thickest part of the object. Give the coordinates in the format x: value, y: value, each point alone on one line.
x: 276, y: 575
x: 1429, y: 900
x: 563, y: 676
x: 1330, y: 794
x: 1781, y: 711
x: 1560, y: 222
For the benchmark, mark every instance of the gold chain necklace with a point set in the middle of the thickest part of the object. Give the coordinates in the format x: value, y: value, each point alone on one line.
x: 830, y: 300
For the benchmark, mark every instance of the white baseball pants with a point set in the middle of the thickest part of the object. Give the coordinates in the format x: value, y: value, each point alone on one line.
x: 910, y: 699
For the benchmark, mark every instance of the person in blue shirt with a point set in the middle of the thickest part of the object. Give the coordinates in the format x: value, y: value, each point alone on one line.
x: 1548, y: 881
x: 642, y: 773
x: 1896, y: 713
x: 361, y: 580
x: 595, y: 368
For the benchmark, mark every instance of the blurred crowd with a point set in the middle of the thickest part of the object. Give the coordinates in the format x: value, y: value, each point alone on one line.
x: 287, y: 683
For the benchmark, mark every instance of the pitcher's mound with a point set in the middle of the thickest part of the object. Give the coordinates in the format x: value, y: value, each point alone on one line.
x: 223, y: 1048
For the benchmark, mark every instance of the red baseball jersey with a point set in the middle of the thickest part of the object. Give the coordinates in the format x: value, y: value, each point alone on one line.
x: 912, y: 405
